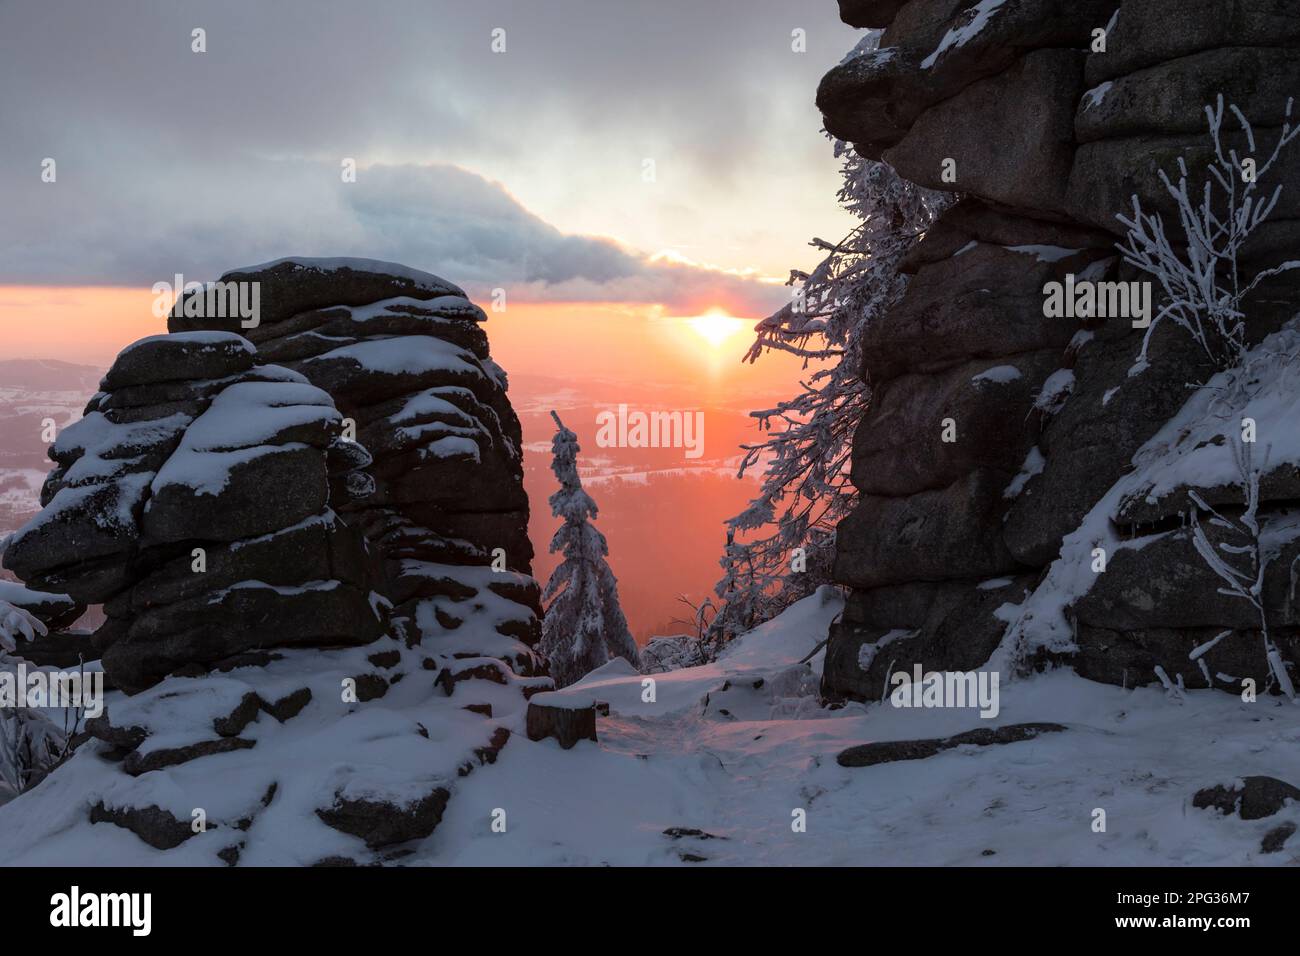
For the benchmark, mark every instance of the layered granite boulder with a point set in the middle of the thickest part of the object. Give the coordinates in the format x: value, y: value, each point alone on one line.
x: 998, y: 435
x: 307, y: 528
x: 405, y: 359
x: 192, y: 500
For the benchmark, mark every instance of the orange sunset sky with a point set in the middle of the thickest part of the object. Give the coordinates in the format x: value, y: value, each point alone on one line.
x: 641, y: 195
x: 699, y: 354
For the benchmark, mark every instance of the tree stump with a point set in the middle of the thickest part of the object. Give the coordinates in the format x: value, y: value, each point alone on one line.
x: 565, y: 719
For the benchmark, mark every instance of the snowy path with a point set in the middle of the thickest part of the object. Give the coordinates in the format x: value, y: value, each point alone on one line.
x: 1134, y: 754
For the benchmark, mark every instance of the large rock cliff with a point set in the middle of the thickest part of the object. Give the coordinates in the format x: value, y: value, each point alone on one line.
x: 1047, y: 116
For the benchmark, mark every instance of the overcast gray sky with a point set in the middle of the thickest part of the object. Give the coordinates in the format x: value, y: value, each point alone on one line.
x: 524, y: 167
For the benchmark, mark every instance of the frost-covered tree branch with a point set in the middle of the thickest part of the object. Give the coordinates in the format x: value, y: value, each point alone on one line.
x: 1241, y: 561
x: 807, y: 443
x: 1200, y: 271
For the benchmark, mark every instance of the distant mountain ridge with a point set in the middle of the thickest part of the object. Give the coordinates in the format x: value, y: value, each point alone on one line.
x: 48, y: 375
x: 31, y: 391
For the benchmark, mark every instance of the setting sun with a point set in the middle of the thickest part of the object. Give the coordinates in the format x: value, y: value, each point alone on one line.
x: 716, y: 326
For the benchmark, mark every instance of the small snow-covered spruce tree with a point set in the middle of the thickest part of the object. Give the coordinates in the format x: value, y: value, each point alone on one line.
x: 1201, y: 273
x: 1240, y: 561
x: 584, y: 626
x: 808, y: 438
x: 30, y: 743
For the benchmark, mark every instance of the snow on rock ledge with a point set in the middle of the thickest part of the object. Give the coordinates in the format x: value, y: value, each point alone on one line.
x: 1158, y: 604
x: 1041, y: 187
x: 404, y: 357
x: 288, y: 287
x: 316, y: 641
x: 183, y: 505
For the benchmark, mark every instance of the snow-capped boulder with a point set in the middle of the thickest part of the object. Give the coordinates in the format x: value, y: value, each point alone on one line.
x: 165, y: 515
x: 319, y: 639
x: 295, y: 285
x: 565, y: 717
x: 182, y: 357
x: 52, y: 610
x: 1250, y: 797
x: 404, y: 358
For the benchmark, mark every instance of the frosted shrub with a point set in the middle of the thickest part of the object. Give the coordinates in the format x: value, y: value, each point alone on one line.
x: 30, y: 743
x: 1241, y: 560
x: 1200, y: 272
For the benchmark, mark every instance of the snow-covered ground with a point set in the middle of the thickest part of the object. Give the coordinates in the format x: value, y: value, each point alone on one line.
x: 737, y: 764
x: 716, y: 769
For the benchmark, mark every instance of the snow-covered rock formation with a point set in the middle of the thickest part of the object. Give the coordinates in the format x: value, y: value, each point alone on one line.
x: 310, y: 544
x: 997, y: 428
x: 403, y: 355
x: 192, y: 500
